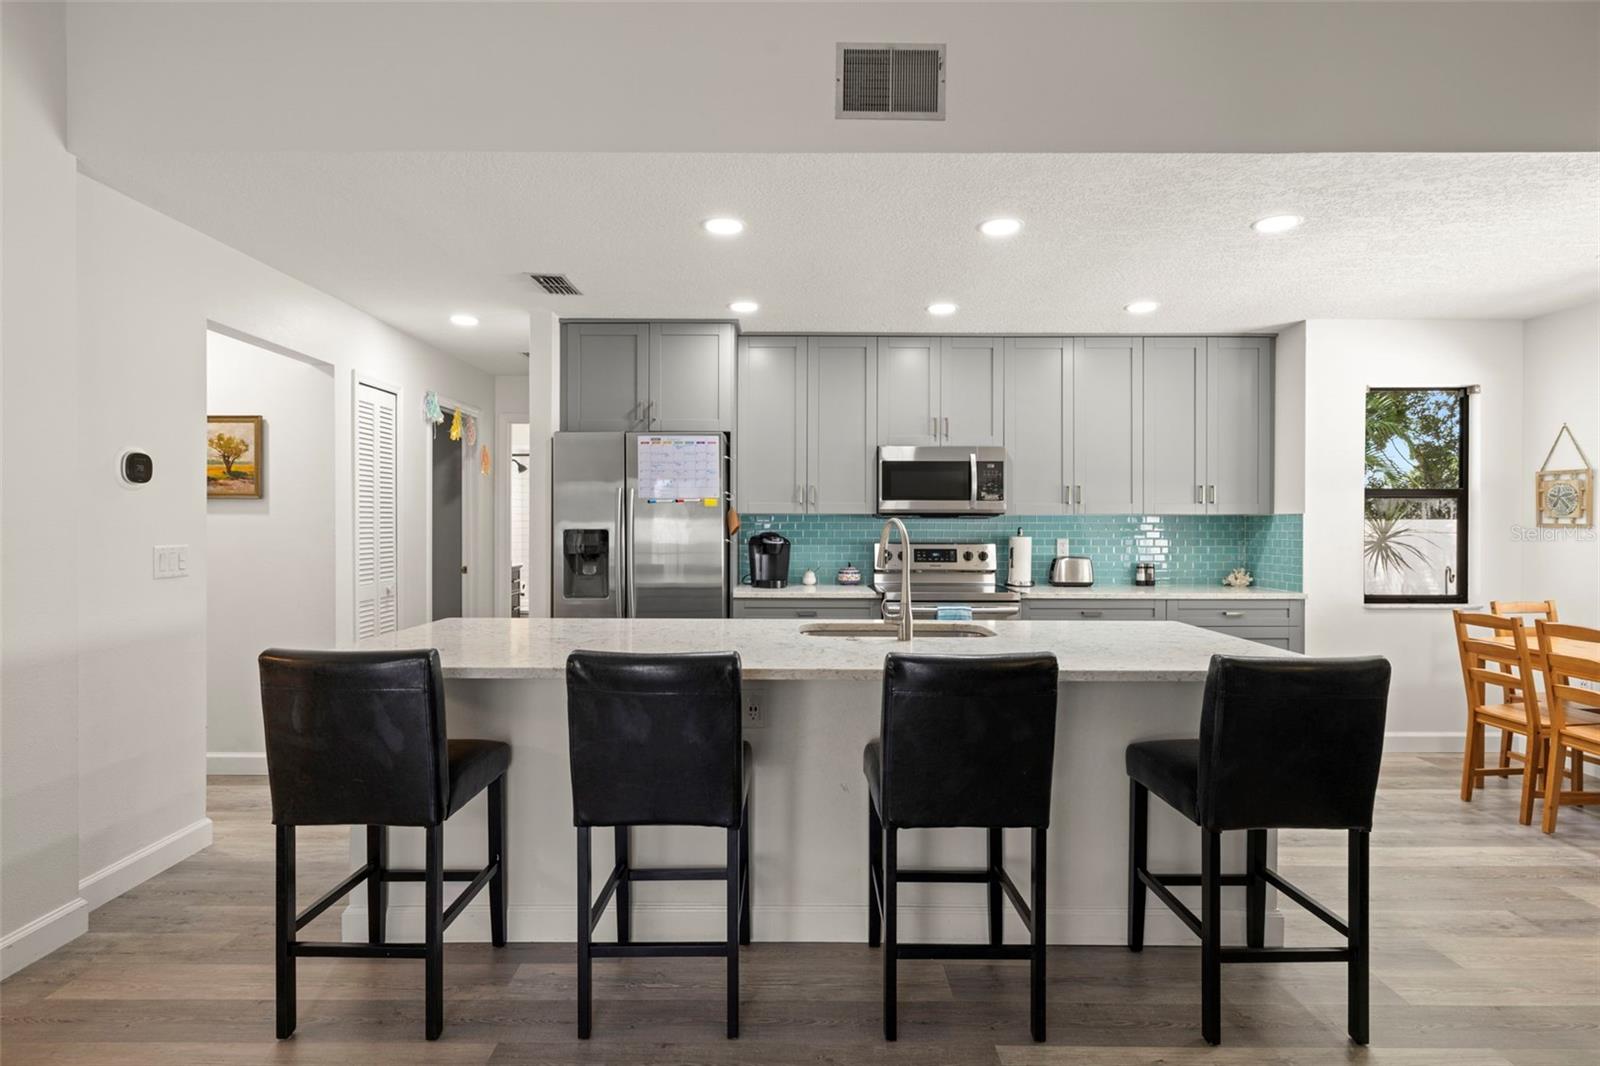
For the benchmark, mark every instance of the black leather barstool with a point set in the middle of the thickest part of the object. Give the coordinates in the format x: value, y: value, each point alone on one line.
x: 965, y: 741
x: 1284, y: 744
x: 358, y: 738
x: 657, y: 740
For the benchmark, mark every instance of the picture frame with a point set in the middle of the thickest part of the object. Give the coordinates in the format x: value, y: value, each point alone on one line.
x: 234, y: 457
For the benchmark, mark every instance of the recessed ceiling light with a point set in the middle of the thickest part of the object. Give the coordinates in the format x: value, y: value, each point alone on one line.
x: 723, y: 227
x: 941, y: 309
x: 1001, y: 227
x: 1276, y: 223
x: 744, y: 307
x: 464, y: 320
x: 1141, y: 307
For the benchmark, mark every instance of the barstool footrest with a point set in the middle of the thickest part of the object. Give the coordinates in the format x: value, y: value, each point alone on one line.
x: 964, y: 951
x: 676, y: 873
x: 661, y: 949
x: 1283, y: 954
x: 1158, y: 884
x: 338, y: 949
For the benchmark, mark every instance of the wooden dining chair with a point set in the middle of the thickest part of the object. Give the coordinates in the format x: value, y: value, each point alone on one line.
x: 1574, y: 728
x: 1533, y: 610
x: 1495, y: 654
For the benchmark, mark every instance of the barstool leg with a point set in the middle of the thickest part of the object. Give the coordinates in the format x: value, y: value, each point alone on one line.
x: 735, y: 864
x: 624, y: 891
x: 1255, y: 902
x: 497, y: 855
x: 891, y: 943
x: 1036, y: 902
x: 433, y: 963
x: 377, y: 887
x: 874, y: 868
x: 744, y: 875
x: 1138, y: 837
x: 996, y: 918
x: 285, y: 911
x: 585, y: 901
x: 1360, y: 950
x: 1210, y: 936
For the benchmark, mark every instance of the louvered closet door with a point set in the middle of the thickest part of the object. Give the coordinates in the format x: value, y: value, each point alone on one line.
x: 377, y: 514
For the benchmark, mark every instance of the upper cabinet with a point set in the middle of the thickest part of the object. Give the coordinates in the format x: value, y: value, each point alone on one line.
x: 1038, y: 432
x: 665, y: 376
x: 807, y: 425
x: 1208, y: 425
x: 941, y: 390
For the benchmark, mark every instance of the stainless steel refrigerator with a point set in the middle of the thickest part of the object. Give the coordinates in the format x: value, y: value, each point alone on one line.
x: 640, y: 525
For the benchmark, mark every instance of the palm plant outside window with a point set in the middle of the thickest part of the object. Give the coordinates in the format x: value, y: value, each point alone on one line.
x: 1414, y: 544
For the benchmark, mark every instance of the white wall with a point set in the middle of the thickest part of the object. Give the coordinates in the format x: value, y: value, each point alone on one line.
x: 1561, y: 383
x: 40, y: 907
x: 1289, y: 421
x: 256, y: 550
x: 1343, y: 358
x: 544, y: 418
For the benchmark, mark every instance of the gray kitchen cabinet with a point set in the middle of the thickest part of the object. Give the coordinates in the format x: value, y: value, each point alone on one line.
x: 971, y: 391
x: 852, y: 608
x: 1106, y: 413
x: 908, y: 390
x: 1174, y: 425
x: 1094, y: 610
x: 842, y: 425
x: 605, y: 370
x: 691, y: 377
x: 772, y: 424
x: 1277, y: 623
x: 1238, y: 425
x: 1038, y: 425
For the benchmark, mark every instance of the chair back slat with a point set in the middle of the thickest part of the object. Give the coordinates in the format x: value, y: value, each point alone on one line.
x: 355, y: 737
x: 1545, y: 609
x: 1561, y: 669
x: 1480, y: 655
x: 1292, y: 743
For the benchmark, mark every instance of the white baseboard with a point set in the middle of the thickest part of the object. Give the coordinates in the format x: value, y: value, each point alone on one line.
x: 43, y: 935
x: 1425, y: 742
x: 237, y: 763
x: 843, y: 924
x: 109, y: 882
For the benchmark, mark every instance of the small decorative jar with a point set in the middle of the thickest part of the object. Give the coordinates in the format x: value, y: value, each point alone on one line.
x: 848, y: 574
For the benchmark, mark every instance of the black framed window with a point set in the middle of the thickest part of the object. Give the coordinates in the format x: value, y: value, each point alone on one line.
x: 1414, y: 528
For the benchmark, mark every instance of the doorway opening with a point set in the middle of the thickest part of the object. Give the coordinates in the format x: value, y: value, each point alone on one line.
x: 453, y: 475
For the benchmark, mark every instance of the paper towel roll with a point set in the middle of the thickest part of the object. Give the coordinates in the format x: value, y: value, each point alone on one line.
x: 1021, y: 571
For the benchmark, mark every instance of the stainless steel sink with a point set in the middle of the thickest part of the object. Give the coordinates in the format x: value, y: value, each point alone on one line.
x: 891, y: 630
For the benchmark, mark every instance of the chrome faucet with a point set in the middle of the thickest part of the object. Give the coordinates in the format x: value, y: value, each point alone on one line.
x: 905, y: 571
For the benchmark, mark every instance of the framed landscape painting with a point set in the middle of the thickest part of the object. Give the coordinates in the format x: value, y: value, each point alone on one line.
x: 233, y: 457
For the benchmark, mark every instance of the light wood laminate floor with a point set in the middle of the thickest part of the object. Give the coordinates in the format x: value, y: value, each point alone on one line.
x: 1486, y: 950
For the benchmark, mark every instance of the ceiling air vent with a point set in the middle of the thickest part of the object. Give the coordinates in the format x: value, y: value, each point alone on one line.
x: 556, y: 284
x: 889, y: 81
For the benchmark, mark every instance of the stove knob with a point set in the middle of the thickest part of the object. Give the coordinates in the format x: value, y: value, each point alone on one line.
x: 983, y: 557
x: 966, y: 556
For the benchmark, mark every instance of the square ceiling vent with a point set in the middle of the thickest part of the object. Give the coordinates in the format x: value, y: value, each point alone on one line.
x: 556, y: 284
x: 889, y: 81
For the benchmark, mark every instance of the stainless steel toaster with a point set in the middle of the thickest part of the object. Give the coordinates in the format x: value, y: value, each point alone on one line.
x: 1074, y: 571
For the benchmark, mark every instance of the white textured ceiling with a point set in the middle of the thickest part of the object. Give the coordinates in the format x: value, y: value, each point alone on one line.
x: 863, y: 242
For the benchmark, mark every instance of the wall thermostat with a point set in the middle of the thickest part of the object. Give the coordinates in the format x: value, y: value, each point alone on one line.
x: 137, y: 468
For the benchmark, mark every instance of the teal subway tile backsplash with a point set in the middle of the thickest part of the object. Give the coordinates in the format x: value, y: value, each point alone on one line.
x: 1187, y: 549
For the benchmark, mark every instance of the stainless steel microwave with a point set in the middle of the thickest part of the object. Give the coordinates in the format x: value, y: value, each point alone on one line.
x: 942, y: 480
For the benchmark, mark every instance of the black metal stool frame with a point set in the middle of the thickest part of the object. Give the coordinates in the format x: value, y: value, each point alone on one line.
x: 619, y: 885
x: 884, y: 876
x: 1258, y: 875
x: 377, y: 876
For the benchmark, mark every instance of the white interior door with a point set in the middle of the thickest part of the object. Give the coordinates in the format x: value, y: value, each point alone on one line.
x: 377, y: 533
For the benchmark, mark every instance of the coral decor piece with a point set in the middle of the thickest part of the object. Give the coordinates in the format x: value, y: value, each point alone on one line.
x: 455, y: 425
x: 1239, y: 578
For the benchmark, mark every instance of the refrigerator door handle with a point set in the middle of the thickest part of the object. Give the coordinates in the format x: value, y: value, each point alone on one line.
x: 627, y: 553
x: 616, y: 551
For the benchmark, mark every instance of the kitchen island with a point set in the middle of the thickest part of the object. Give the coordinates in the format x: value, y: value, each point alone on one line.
x: 812, y: 702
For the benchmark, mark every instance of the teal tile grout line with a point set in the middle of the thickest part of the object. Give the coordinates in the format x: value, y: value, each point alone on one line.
x: 1186, y: 549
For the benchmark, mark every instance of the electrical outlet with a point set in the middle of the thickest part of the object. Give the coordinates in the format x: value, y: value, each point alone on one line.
x: 753, y: 718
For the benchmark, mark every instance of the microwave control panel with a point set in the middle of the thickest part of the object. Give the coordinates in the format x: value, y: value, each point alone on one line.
x: 992, y: 481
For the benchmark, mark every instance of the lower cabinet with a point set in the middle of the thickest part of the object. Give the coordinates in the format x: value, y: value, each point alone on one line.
x: 1276, y: 623
x: 855, y: 609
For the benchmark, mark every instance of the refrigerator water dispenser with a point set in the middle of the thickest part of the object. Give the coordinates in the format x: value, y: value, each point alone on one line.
x: 585, y: 555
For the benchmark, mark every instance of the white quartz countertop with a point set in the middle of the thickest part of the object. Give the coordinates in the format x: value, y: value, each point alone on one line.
x: 1159, y: 592
x: 775, y: 650
x: 819, y: 591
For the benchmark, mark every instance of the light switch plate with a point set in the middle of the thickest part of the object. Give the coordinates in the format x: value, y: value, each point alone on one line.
x: 169, y: 561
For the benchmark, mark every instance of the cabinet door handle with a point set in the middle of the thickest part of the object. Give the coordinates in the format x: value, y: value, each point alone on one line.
x: 1090, y: 614
x: 1077, y: 493
x: 946, y: 427
x: 649, y: 414
x: 1199, y: 494
x: 935, y: 421
x: 1211, y: 494
x: 1233, y: 614
x: 813, y: 495
x: 799, y: 494
x: 805, y: 614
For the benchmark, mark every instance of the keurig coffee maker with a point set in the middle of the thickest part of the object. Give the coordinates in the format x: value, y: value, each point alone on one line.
x: 769, y: 560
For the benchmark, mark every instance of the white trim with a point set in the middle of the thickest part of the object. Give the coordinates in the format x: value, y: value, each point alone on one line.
x: 1424, y: 742
x: 109, y: 882
x: 236, y: 763
x: 836, y: 924
x: 502, y: 512
x: 43, y: 935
